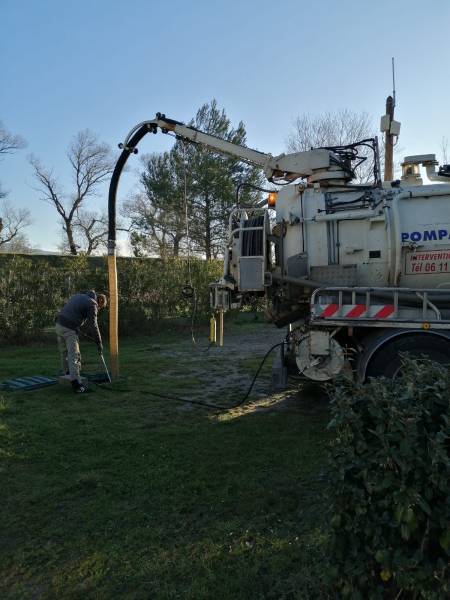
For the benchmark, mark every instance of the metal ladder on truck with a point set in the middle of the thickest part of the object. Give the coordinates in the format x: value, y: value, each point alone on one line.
x: 247, y: 233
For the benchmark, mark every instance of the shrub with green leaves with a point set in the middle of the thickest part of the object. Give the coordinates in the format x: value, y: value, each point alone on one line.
x: 391, y: 485
x: 32, y: 289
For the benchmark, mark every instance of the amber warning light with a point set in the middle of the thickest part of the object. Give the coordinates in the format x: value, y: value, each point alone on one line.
x: 272, y: 200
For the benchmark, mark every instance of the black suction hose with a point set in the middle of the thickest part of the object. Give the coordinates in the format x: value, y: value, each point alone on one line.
x: 112, y: 266
x: 220, y: 406
x: 130, y: 149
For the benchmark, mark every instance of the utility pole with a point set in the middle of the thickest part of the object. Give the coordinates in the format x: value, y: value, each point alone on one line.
x: 391, y: 130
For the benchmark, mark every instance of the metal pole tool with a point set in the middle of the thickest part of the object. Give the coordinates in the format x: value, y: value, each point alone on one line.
x: 102, y: 358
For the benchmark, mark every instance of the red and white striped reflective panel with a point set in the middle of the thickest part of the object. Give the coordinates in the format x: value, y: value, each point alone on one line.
x: 353, y: 311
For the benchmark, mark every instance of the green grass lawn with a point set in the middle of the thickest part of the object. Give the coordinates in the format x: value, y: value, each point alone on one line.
x: 118, y: 494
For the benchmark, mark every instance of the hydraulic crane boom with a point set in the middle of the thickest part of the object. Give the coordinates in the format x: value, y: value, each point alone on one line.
x: 286, y: 166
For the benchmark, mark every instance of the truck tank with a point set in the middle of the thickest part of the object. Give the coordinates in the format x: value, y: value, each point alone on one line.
x: 359, y: 236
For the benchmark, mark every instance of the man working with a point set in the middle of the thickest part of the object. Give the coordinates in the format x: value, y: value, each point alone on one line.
x: 80, y: 309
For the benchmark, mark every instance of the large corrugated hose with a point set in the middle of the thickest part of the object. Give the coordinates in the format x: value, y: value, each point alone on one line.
x: 112, y: 265
x: 252, y: 241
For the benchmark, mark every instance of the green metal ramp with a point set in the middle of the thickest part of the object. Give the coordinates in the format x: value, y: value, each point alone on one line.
x: 38, y: 381
x: 26, y: 383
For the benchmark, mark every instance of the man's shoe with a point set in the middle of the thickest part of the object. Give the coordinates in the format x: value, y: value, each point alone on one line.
x: 78, y: 387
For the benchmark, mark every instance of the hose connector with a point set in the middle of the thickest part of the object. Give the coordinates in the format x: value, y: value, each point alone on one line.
x: 129, y: 149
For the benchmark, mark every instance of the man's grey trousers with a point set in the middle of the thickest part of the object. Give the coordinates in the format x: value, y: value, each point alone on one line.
x: 69, y: 350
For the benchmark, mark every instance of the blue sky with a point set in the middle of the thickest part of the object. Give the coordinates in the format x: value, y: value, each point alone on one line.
x: 106, y: 65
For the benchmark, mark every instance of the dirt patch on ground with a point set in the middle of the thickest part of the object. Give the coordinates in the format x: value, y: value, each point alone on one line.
x: 222, y: 375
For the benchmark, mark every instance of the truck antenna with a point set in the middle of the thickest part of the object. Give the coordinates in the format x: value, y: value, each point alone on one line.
x: 393, y: 81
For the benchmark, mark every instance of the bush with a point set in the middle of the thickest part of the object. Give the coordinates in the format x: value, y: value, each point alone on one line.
x: 391, y: 485
x: 32, y: 289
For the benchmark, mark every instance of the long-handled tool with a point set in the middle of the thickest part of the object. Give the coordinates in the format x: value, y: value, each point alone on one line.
x: 102, y: 358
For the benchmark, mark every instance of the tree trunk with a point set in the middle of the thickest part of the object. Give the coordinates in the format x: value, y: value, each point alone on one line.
x: 71, y: 241
x: 176, y: 247
x: 207, y: 227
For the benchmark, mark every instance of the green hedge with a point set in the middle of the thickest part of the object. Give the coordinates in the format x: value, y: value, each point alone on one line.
x: 391, y: 486
x: 32, y: 289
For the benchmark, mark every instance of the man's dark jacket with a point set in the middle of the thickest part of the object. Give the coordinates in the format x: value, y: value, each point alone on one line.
x: 81, y: 309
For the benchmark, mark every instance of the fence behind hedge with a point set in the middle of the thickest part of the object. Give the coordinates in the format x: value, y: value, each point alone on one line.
x: 33, y: 288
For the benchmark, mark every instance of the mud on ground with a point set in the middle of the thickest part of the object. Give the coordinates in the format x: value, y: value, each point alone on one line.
x: 222, y: 375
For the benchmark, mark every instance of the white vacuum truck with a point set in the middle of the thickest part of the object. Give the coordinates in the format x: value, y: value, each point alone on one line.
x: 359, y: 273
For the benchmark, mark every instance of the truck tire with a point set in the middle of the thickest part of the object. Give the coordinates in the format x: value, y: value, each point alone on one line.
x: 386, y: 362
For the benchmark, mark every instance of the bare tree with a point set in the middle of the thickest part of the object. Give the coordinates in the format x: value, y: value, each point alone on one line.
x: 333, y: 129
x: 12, y: 221
x: 152, y: 230
x: 9, y: 142
x: 92, y: 164
x: 92, y: 229
x: 90, y: 233
x: 157, y: 211
x: 19, y: 245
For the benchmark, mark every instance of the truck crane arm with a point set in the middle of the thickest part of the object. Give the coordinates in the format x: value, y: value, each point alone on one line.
x: 319, y: 164
x: 290, y: 166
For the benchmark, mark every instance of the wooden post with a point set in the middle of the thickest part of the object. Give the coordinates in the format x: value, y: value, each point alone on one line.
x: 212, y: 330
x: 113, y: 316
x: 221, y: 327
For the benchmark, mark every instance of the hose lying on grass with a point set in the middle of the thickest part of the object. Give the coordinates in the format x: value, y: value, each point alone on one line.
x: 200, y: 402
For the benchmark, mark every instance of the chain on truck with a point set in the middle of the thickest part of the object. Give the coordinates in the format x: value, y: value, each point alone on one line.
x: 359, y: 273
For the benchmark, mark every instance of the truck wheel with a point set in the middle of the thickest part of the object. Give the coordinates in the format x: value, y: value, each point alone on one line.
x: 386, y: 362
